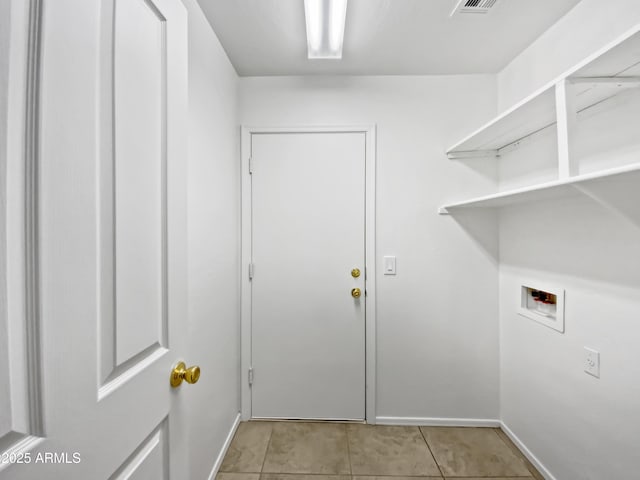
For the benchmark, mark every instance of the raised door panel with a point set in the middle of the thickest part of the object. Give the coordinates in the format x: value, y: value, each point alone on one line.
x: 149, y: 460
x: 140, y: 165
x: 134, y: 266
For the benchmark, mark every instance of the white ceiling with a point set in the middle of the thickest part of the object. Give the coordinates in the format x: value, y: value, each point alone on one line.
x: 382, y: 37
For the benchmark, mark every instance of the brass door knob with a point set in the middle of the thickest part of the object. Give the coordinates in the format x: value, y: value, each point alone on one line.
x: 355, y: 273
x: 356, y: 292
x: 180, y: 372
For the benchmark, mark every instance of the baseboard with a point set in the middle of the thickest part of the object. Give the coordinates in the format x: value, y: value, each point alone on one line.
x: 225, y: 447
x: 527, y: 453
x: 439, y: 422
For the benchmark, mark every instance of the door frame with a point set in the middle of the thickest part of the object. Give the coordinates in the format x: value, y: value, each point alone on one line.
x: 370, y: 258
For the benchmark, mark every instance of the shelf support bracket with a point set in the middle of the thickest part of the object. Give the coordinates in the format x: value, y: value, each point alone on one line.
x: 566, y: 112
x: 443, y: 211
x: 473, y: 154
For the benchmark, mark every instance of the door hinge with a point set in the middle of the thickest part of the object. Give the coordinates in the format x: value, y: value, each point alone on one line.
x: 250, y: 376
x: 250, y: 165
x: 251, y: 271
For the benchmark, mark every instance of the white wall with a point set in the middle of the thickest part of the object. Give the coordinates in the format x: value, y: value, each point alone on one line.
x: 437, y: 345
x: 587, y: 27
x: 578, y: 426
x: 214, y: 241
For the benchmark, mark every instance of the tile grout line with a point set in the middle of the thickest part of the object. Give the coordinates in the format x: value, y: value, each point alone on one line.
x: 346, y: 430
x: 516, y: 451
x: 266, y: 451
x: 431, y: 452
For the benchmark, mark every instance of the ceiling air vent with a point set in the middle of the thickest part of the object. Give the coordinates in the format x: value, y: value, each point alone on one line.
x: 473, y: 6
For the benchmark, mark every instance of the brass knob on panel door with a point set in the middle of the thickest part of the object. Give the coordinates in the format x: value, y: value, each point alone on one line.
x: 356, y: 292
x: 180, y: 372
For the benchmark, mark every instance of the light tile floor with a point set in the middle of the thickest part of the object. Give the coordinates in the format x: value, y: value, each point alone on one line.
x: 347, y: 451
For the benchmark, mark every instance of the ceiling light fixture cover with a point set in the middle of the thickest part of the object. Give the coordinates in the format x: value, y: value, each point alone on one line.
x: 325, y: 27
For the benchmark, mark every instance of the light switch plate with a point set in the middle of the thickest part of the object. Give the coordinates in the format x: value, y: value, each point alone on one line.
x: 592, y: 362
x: 389, y: 265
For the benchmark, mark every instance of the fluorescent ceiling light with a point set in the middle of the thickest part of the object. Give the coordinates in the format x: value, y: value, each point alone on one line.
x: 325, y: 27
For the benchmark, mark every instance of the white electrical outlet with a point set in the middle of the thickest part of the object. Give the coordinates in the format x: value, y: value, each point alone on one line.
x: 592, y: 362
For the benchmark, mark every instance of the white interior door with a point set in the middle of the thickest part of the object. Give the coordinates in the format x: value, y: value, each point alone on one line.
x: 308, y: 233
x: 105, y: 250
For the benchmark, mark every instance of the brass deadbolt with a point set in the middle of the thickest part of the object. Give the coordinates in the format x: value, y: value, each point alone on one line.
x: 355, y: 273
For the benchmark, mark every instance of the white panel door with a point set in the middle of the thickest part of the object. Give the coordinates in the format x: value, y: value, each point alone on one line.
x: 308, y: 227
x: 106, y: 246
